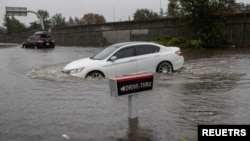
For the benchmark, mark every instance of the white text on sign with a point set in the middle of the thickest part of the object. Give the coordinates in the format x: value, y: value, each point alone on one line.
x: 136, y: 86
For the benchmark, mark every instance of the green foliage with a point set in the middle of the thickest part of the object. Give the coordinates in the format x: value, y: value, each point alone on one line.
x: 73, y: 22
x: 195, y: 43
x: 211, y: 34
x: 145, y: 14
x: 172, y: 41
x: 2, y: 30
x: 45, y: 16
x: 92, y: 18
x: 178, y: 41
x: 13, y: 25
x: 173, y: 9
x: 244, y: 8
x: 204, y: 18
x: 58, y: 20
x: 36, y: 25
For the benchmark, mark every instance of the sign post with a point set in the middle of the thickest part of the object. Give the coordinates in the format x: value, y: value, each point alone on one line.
x: 22, y: 11
x: 132, y: 106
x: 131, y: 86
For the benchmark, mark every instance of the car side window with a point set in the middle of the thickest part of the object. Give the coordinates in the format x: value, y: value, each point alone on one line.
x: 125, y: 53
x: 146, y: 49
x: 30, y: 39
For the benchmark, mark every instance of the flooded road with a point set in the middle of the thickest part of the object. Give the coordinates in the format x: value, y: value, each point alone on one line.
x: 39, y: 103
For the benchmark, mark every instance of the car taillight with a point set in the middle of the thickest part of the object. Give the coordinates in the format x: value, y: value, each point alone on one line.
x: 52, y: 41
x: 40, y: 41
x: 178, y: 53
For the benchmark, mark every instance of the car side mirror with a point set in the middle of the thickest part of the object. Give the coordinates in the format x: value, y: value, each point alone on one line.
x: 113, y: 58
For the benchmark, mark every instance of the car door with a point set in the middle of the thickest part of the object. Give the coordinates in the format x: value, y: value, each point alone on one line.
x: 30, y: 41
x: 124, y: 64
x: 147, y: 58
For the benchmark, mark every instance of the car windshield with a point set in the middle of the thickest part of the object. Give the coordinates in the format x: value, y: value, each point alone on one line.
x: 104, y: 53
x: 45, y: 36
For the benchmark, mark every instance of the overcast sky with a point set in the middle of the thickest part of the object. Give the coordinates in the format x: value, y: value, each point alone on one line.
x: 112, y: 10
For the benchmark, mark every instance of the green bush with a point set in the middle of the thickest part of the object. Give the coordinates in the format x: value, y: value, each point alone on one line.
x: 172, y: 41
x: 176, y: 41
x: 196, y: 43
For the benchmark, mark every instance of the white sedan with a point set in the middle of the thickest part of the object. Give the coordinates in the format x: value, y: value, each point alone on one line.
x: 127, y: 58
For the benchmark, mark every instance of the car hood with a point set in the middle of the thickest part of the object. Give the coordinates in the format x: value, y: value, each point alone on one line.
x: 79, y: 63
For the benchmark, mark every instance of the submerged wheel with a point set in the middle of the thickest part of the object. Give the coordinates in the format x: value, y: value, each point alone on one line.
x: 164, y: 67
x: 95, y: 75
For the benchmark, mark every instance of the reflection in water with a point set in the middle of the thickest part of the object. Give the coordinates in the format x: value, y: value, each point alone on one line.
x: 210, y: 83
x: 137, y: 133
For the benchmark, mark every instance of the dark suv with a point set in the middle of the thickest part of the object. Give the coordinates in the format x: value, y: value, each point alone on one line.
x: 40, y: 39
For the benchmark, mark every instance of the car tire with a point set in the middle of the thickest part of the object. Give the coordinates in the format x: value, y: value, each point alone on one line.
x: 164, y: 67
x: 95, y: 75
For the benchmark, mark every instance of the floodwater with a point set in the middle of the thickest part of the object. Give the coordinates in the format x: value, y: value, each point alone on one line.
x: 39, y: 103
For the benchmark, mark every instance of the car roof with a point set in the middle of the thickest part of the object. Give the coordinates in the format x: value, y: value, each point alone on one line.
x: 123, y: 44
x: 40, y: 32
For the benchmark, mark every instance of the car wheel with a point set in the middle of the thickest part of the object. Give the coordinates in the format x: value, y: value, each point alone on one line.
x: 164, y: 67
x: 95, y: 75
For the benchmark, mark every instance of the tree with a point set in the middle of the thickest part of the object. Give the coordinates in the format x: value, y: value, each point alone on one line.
x: 244, y: 8
x: 13, y: 25
x: 145, y: 14
x: 205, y: 18
x: 58, y: 20
x: 173, y: 9
x: 72, y: 22
x: 35, y: 26
x: 92, y: 18
x: 2, y: 30
x: 77, y: 20
x: 45, y: 17
x: 223, y: 7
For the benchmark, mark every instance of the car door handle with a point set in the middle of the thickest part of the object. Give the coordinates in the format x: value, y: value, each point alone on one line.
x: 132, y: 60
x: 156, y: 55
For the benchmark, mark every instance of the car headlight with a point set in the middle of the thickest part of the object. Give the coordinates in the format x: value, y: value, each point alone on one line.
x: 77, y: 70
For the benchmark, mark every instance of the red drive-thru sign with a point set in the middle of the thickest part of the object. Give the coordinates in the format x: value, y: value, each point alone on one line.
x: 126, y: 85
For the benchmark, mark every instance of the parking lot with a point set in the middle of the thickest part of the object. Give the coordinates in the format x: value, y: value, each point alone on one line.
x: 38, y: 102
